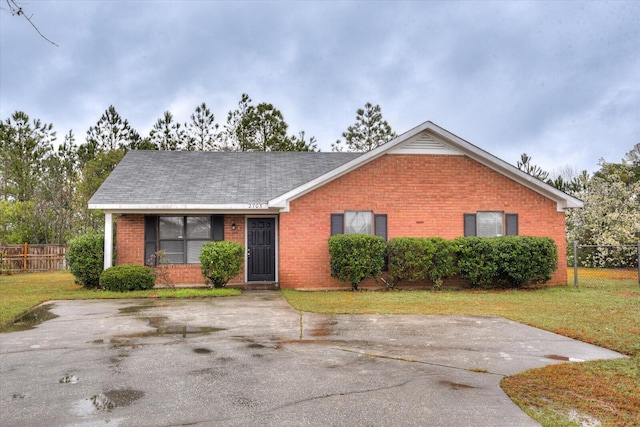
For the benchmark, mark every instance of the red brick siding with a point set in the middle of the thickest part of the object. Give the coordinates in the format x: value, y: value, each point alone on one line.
x: 423, y: 195
x: 130, y: 247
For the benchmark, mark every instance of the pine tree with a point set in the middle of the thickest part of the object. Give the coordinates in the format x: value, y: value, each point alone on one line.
x: 202, y: 131
x: 368, y: 132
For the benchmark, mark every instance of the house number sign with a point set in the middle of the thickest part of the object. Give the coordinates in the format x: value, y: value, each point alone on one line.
x: 256, y: 205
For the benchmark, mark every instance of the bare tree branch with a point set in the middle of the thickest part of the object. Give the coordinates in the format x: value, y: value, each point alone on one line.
x: 15, y: 9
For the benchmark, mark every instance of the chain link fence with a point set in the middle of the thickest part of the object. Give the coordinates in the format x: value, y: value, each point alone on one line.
x: 604, y: 262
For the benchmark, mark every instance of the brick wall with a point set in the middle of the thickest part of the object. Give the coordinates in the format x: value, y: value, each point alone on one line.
x: 423, y: 195
x: 130, y: 247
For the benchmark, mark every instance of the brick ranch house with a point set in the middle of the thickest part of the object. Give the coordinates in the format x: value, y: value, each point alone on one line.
x: 283, y: 206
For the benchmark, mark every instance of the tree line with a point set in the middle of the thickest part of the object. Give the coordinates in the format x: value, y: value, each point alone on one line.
x: 45, y: 185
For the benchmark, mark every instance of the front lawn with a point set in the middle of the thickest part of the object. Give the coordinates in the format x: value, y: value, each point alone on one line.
x: 605, y: 313
x: 21, y: 292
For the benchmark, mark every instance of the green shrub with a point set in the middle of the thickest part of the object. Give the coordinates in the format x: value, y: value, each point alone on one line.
x: 85, y: 258
x: 509, y: 261
x: 525, y: 259
x: 478, y: 260
x: 410, y: 258
x: 221, y: 261
x: 445, y: 261
x: 355, y: 257
x: 127, y: 277
x: 415, y: 259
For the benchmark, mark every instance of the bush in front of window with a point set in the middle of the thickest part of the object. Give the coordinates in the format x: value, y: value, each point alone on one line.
x: 445, y: 261
x: 355, y: 257
x: 221, y: 261
x: 478, y: 260
x: 410, y: 259
x: 127, y: 277
x: 415, y: 259
x: 509, y: 261
x: 85, y: 258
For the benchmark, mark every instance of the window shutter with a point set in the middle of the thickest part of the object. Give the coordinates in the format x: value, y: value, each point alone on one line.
x: 150, y: 238
x: 337, y: 224
x: 512, y: 224
x: 381, y: 225
x: 217, y: 227
x: 469, y: 225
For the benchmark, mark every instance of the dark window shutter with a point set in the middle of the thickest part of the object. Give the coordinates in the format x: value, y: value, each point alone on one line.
x: 150, y: 238
x: 217, y: 226
x: 512, y: 224
x: 469, y: 225
x: 337, y: 224
x: 381, y: 225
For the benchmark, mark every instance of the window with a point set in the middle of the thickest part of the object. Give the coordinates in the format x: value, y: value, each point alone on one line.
x: 359, y: 222
x: 490, y: 224
x: 181, y: 237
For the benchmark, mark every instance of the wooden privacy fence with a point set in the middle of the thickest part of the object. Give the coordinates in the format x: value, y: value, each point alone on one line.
x: 32, y: 258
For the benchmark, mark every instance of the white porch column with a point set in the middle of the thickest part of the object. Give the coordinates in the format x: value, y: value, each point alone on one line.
x: 108, y: 239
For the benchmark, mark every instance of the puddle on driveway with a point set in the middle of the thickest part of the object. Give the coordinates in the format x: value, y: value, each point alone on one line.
x: 163, y: 329
x: 201, y: 350
x: 69, y: 379
x: 30, y: 319
x: 105, y: 402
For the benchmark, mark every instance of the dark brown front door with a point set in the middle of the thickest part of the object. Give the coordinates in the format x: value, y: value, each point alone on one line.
x: 261, y: 249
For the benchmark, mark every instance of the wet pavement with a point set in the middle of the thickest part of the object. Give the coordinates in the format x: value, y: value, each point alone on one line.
x: 253, y: 360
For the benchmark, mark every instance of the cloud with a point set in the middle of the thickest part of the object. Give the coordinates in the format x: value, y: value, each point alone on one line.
x: 554, y: 80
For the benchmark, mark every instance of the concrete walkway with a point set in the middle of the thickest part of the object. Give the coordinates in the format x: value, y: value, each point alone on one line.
x: 253, y: 360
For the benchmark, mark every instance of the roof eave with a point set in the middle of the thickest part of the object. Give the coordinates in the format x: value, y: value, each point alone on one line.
x: 184, y: 208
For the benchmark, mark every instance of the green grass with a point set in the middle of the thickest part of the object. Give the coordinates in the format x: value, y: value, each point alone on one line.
x: 21, y: 292
x: 605, y: 313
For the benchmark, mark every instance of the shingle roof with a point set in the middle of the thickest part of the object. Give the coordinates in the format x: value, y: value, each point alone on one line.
x: 211, y: 178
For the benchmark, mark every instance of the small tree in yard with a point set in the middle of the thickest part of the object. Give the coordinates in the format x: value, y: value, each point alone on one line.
x: 221, y: 261
x: 355, y: 257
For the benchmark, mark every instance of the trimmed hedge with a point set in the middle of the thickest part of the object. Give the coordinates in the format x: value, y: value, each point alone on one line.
x: 127, y: 277
x: 355, y: 257
x: 85, y: 258
x: 410, y: 259
x: 509, y: 261
x: 445, y: 261
x: 415, y: 259
x: 221, y: 261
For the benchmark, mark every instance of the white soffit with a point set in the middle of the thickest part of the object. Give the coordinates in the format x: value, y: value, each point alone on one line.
x: 425, y: 143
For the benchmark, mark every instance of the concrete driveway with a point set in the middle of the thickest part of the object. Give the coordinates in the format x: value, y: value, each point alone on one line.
x: 253, y: 360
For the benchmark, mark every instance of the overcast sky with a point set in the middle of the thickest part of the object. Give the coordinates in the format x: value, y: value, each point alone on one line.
x: 557, y: 80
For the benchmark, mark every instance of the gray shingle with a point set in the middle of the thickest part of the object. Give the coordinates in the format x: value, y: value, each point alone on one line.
x: 188, y: 177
